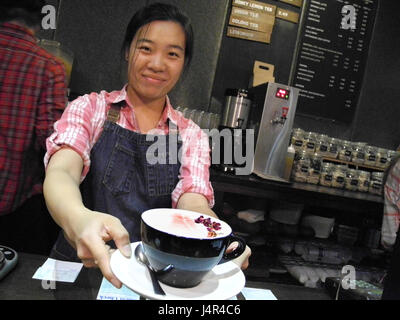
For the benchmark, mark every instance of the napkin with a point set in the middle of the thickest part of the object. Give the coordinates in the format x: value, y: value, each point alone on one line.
x: 56, y: 270
x: 258, y: 294
x: 108, y: 292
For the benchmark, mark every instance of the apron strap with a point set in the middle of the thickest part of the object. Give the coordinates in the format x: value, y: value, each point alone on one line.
x: 113, y: 112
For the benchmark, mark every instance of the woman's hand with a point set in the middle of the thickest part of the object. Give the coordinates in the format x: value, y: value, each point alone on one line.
x: 89, y: 236
x: 87, y: 231
x: 243, y: 260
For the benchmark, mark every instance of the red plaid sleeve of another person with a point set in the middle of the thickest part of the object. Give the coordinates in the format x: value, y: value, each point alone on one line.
x: 32, y: 98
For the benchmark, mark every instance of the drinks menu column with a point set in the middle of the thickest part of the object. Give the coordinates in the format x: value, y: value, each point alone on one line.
x: 332, y: 56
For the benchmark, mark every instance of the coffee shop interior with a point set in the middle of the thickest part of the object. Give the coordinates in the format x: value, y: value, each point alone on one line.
x: 314, y: 85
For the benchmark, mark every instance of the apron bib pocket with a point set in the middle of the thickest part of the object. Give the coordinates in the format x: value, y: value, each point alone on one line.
x: 118, y: 177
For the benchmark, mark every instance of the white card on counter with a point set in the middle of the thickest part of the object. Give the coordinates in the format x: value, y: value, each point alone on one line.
x: 258, y: 294
x: 56, y: 270
x: 108, y: 292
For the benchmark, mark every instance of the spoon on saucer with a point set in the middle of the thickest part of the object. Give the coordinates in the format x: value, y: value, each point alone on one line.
x: 141, y: 257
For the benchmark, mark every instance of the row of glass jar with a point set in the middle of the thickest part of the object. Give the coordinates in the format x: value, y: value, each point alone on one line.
x: 311, y: 169
x: 356, y: 152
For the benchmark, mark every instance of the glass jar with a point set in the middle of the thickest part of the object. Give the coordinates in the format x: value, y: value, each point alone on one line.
x: 376, y: 183
x: 333, y: 149
x: 382, y: 158
x: 339, y: 176
x: 351, y: 180
x: 301, y: 167
x: 358, y: 155
x: 297, y: 139
x: 370, y: 155
x: 363, y: 180
x: 322, y: 145
x: 309, y: 142
x: 314, y: 171
x: 326, y: 174
x: 345, y: 151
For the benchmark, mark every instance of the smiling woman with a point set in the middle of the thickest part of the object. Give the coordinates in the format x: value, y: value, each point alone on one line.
x: 98, y: 180
x: 156, y: 60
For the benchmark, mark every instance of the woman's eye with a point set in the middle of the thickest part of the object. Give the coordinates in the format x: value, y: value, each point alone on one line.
x: 144, y: 48
x: 174, y: 54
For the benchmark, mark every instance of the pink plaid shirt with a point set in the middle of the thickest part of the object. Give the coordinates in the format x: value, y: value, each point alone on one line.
x: 82, y: 123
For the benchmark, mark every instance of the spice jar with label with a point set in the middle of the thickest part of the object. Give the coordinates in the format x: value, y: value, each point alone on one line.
x: 363, y: 180
x: 376, y: 183
x: 314, y: 170
x: 309, y: 142
x: 297, y: 139
x: 333, y: 149
x: 358, y: 155
x: 339, y: 176
x: 351, y: 180
x: 322, y: 145
x: 382, y: 157
x: 326, y: 174
x: 345, y: 151
x: 301, y: 167
x: 370, y: 155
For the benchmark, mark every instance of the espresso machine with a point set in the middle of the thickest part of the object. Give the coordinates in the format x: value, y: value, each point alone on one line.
x: 272, y: 117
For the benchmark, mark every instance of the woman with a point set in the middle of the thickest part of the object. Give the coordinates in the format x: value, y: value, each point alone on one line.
x: 103, y: 140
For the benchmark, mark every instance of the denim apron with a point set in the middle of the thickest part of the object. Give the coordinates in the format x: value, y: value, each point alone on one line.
x: 122, y: 181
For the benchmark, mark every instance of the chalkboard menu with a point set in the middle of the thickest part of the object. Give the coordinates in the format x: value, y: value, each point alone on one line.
x: 333, y: 46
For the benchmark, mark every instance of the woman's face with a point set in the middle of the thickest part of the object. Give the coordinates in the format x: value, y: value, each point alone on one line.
x: 156, y: 59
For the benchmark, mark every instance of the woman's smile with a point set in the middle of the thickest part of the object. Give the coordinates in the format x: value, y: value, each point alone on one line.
x: 154, y: 79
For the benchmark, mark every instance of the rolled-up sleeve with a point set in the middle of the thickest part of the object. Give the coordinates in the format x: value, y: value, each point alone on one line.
x: 74, y: 130
x: 194, y: 174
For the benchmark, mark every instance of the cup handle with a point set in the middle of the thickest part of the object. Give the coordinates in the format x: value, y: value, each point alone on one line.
x: 235, y: 253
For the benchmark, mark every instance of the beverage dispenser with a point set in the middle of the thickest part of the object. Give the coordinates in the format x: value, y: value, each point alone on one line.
x: 272, y: 118
x: 234, y: 119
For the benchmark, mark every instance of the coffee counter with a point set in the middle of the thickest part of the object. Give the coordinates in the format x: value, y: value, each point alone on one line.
x: 19, y: 285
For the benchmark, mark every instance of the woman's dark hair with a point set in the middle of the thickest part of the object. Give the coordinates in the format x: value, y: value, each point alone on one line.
x: 28, y: 12
x: 160, y: 12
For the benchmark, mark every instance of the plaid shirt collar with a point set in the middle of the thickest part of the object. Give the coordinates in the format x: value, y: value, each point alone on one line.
x: 17, y: 31
x: 168, y: 113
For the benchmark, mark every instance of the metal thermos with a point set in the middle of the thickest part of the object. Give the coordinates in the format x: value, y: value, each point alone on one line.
x: 236, y: 109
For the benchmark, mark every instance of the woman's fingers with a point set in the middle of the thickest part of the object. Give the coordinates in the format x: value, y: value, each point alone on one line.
x: 120, y: 236
x: 101, y: 258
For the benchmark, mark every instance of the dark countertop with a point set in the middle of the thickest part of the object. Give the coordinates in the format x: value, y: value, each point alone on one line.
x: 19, y: 285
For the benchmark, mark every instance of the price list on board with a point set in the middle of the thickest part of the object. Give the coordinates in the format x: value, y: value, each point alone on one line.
x: 332, y: 54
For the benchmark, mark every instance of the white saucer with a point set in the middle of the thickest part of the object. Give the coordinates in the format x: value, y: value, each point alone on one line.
x: 223, y: 282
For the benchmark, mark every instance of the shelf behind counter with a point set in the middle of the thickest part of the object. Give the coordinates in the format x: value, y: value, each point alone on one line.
x: 308, y: 194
